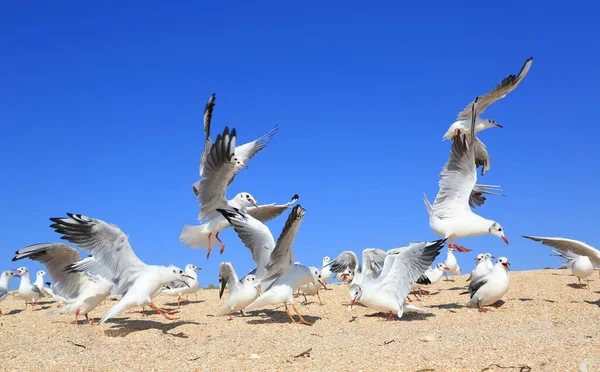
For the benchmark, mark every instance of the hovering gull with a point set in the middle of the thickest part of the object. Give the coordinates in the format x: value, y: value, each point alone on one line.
x: 218, y: 172
x: 429, y: 277
x: 580, y: 248
x: 450, y: 216
x: 179, y: 288
x: 387, y: 293
x: 113, y: 259
x: 39, y: 279
x: 450, y: 264
x: 27, y: 291
x: 372, y: 258
x: 279, y: 278
x: 310, y: 288
x: 4, y: 280
x: 488, y: 289
x: 83, y: 292
x: 326, y: 270
x: 242, y: 154
x: 241, y: 293
x: 481, y: 267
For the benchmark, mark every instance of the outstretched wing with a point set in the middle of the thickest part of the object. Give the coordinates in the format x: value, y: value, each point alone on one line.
x: 267, y: 212
x: 346, y: 260
x: 507, y: 85
x: 566, y: 245
x: 373, y: 259
x: 208, y: 109
x: 477, y: 198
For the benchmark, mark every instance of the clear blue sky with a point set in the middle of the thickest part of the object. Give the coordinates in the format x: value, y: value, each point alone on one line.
x: 101, y: 111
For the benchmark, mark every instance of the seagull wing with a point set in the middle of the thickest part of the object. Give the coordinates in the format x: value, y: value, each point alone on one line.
x: 267, y: 212
x: 570, y: 245
x: 227, y: 275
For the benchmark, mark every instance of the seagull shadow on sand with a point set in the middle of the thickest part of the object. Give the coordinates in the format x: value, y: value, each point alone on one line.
x: 597, y: 303
x: 576, y: 286
x: 457, y: 289
x: 279, y: 317
x: 122, y: 327
x: 14, y: 311
x: 449, y: 306
x: 183, y: 302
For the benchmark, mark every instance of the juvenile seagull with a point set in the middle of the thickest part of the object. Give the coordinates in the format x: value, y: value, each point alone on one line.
x: 219, y: 168
x: 589, y: 256
x: 27, y: 291
x: 387, y: 293
x: 82, y: 291
x: 450, y: 216
x: 179, y: 289
x: 241, y: 293
x: 280, y: 278
x: 463, y: 122
x: 490, y: 288
x: 113, y: 259
x: 5, y: 278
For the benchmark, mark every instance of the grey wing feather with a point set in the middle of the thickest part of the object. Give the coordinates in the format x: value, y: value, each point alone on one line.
x: 507, y: 85
x: 55, y: 257
x: 267, y: 212
x: 344, y: 261
x: 477, y: 197
x: 476, y: 284
x: 208, y: 109
x: 227, y: 275
x: 3, y: 293
x: 575, y: 246
x: 247, y: 151
x: 482, y: 158
x: 373, y: 260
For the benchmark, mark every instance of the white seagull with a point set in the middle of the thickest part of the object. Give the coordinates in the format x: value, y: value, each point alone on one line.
x: 27, y: 291
x: 348, y: 266
x: 179, y: 289
x: 326, y: 270
x: 450, y: 216
x: 241, y: 293
x: 463, y: 121
x: 429, y: 277
x: 481, y: 267
x: 450, y: 264
x: 280, y: 278
x: 590, y: 256
x: 310, y: 288
x: 39, y: 279
x: 5, y: 278
x: 113, y: 259
x: 218, y: 172
x: 82, y: 292
x: 387, y: 293
x: 490, y: 288
x: 488, y: 260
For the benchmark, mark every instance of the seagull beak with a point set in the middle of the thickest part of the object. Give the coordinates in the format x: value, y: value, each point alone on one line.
x: 506, y: 264
x: 504, y: 238
x: 254, y: 202
x: 323, y: 284
x: 353, y: 302
x: 498, y: 125
x: 259, y: 289
x: 197, y: 269
x: 506, y: 243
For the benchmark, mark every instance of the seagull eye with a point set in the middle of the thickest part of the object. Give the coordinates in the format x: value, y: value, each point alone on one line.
x: 173, y: 271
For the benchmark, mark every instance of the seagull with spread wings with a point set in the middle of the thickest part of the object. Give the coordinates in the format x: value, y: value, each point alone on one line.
x: 451, y: 216
x: 463, y: 122
x: 348, y: 266
x: 219, y: 169
x: 114, y: 259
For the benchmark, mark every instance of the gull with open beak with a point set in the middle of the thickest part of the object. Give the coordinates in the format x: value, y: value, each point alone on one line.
x: 489, y: 289
x: 114, y: 259
x: 27, y: 291
x: 275, y: 271
x: 241, y: 292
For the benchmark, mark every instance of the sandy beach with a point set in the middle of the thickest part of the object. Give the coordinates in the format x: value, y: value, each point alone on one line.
x: 545, y: 324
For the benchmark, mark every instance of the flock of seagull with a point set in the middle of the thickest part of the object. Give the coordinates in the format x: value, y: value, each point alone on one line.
x: 382, y: 282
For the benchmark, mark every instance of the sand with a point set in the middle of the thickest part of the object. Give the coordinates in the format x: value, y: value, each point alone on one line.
x: 545, y: 324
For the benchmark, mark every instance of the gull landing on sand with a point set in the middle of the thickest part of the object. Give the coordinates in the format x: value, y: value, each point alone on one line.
x: 114, y: 259
x: 451, y: 216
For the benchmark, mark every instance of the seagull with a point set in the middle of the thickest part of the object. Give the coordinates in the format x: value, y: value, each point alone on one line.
x: 310, y: 288
x: 27, y: 291
x: 347, y: 261
x: 488, y: 260
x: 114, y: 259
x: 450, y: 216
x: 326, y: 270
x: 481, y: 267
x: 463, y: 121
x: 387, y: 292
x: 488, y: 289
x: 279, y: 278
x: 241, y: 293
x: 218, y: 172
x: 179, y: 288
x: 5, y: 278
x: 429, y: 277
x: 82, y: 292
x: 586, y: 251
x: 39, y: 279
x: 451, y: 265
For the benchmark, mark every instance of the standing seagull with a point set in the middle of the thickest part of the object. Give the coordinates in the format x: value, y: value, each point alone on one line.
x: 387, y: 293
x: 191, y: 286
x: 27, y: 291
x: 4, y: 280
x: 241, y: 293
x: 113, y: 259
x: 488, y: 289
x: 450, y: 216
x: 82, y: 291
x: 39, y: 279
x: 326, y: 270
x: 219, y: 168
x: 590, y: 256
x: 481, y: 267
x: 280, y: 278
x: 451, y: 265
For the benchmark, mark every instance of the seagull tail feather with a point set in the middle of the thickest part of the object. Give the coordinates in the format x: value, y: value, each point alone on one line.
x: 195, y: 236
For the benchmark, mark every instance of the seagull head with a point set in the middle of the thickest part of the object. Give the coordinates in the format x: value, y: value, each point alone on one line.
x: 239, y: 163
x: 489, y: 123
x: 504, y: 262
x: 355, y: 294
x: 21, y: 271
x: 441, y: 266
x: 191, y: 267
x: 479, y: 257
x: 40, y: 273
x: 496, y: 229
x: 488, y: 256
x: 316, y: 274
x: 9, y: 274
x: 244, y: 200
x: 175, y: 274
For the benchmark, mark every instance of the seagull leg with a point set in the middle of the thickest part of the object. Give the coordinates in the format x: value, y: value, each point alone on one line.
x: 580, y: 286
x: 25, y: 305
x: 391, y: 316
x: 480, y: 309
x: 289, y: 314
x: 222, y: 244
x: 305, y: 299
x: 163, y: 312
x: 209, y: 247
x: 319, y: 296
x: 446, y: 275
x: 408, y: 298
x: 178, y: 301
x: 77, y: 317
x: 300, y: 316
x: 459, y: 248
x: 230, y: 318
x: 90, y: 322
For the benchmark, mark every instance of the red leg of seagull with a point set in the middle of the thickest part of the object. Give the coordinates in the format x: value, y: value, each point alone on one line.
x: 580, y: 286
x: 77, y: 317
x: 481, y: 309
x: 89, y: 320
x: 209, y: 247
x: 178, y: 301
x: 319, y: 296
x: 25, y: 305
x: 230, y: 318
x: 459, y: 248
x: 222, y: 244
x: 162, y: 312
x: 391, y: 316
x: 300, y: 316
x: 408, y: 298
x: 305, y: 299
x: 289, y: 314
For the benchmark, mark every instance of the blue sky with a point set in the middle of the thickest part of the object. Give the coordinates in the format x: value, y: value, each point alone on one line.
x: 101, y: 111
